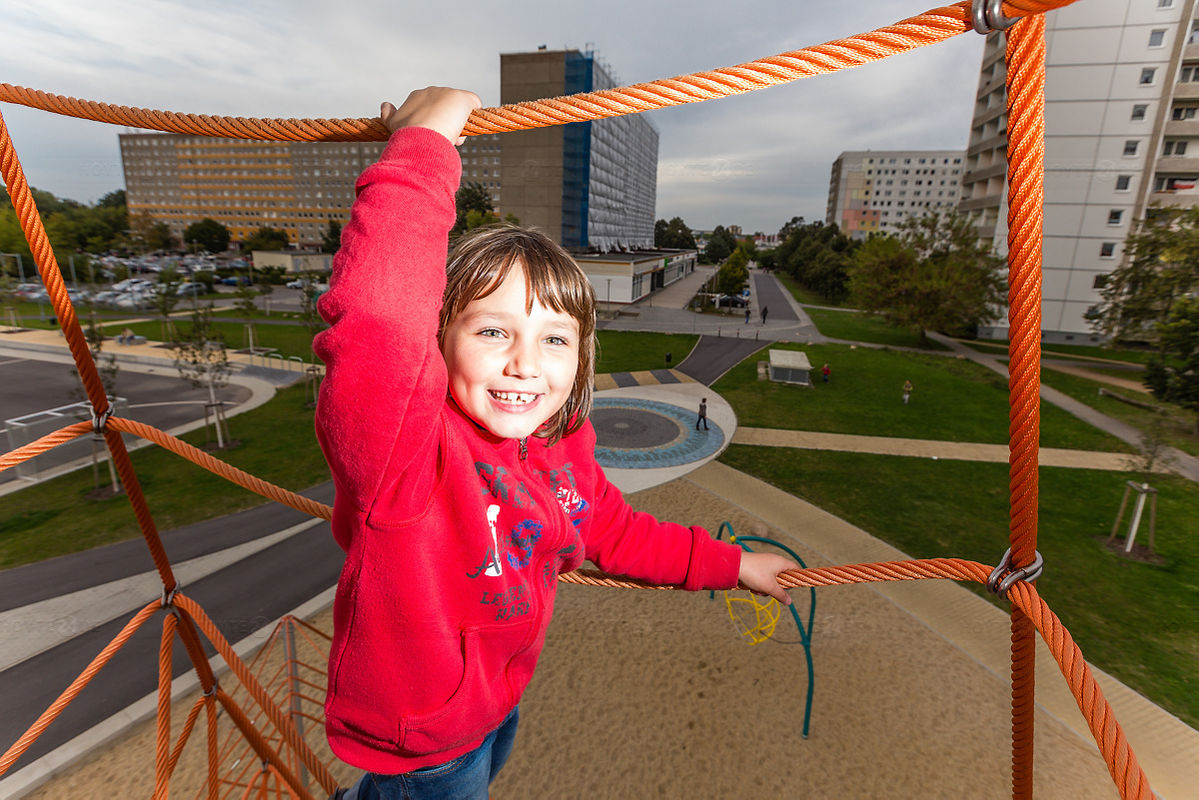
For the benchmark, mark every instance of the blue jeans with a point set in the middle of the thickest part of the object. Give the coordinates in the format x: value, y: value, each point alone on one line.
x: 463, y: 778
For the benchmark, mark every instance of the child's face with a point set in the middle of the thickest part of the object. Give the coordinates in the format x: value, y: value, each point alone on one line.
x: 508, y: 370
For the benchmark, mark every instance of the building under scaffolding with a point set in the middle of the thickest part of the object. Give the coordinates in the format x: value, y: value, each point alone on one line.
x: 589, y: 185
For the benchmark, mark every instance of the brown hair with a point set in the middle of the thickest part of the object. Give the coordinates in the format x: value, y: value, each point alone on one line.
x: 479, y: 263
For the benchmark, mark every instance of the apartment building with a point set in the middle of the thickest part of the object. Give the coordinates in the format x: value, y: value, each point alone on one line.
x: 294, y: 186
x: 874, y: 191
x: 1121, y: 134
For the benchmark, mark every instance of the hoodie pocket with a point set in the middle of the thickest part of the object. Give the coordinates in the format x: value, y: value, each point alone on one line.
x: 484, y: 695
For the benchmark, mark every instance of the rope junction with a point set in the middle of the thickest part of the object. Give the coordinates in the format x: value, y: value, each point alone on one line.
x: 282, y: 748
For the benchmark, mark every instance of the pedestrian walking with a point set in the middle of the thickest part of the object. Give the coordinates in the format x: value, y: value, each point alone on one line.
x: 765, y: 311
x: 907, y: 391
x: 826, y: 371
x: 703, y: 414
x: 747, y: 315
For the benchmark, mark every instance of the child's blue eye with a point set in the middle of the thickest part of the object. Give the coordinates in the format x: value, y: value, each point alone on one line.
x: 491, y: 332
x: 556, y: 340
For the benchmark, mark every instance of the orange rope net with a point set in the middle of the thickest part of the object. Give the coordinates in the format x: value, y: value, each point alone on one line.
x: 185, y: 619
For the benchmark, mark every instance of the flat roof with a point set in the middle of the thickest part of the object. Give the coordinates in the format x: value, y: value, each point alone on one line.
x: 789, y: 359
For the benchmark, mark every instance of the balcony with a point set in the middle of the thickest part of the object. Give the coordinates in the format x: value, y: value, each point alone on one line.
x: 982, y: 173
x: 1176, y: 165
x: 1190, y: 52
x: 1188, y: 127
x: 1186, y: 91
x: 978, y: 203
x: 995, y: 142
x: 1182, y: 199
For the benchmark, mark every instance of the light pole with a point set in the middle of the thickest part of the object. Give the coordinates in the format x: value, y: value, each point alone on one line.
x: 609, y: 300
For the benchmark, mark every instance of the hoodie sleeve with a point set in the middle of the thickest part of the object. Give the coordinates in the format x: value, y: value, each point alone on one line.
x: 622, y: 541
x: 385, y: 380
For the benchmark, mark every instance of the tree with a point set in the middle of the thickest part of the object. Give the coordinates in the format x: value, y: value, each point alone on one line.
x: 817, y: 256
x: 202, y: 361
x: 935, y: 274
x: 674, y: 235
x: 147, y: 235
x: 209, y: 234
x: 1172, y: 373
x: 720, y: 245
x: 733, y: 273
x: 266, y: 238
x: 114, y: 199
x: 331, y: 240
x: 164, y: 298
x: 472, y: 197
x: 314, y: 325
x: 1161, y: 265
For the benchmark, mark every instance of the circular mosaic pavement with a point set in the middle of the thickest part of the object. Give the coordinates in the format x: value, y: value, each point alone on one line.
x: 646, y: 434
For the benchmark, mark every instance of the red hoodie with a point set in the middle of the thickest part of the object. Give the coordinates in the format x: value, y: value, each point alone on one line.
x: 454, y: 538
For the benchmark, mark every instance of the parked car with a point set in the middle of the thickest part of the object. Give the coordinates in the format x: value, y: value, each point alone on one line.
x: 235, y: 280
x: 300, y: 283
x: 191, y: 289
x: 731, y: 301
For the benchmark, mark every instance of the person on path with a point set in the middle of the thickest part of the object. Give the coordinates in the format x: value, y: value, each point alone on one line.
x: 472, y: 482
x: 747, y: 315
x: 907, y: 391
x: 703, y: 414
x: 826, y: 370
x: 765, y: 311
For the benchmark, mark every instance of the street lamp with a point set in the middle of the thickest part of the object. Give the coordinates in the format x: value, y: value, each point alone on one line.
x: 609, y: 301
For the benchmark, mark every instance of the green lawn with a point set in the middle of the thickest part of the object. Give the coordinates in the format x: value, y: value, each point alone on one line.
x: 856, y: 326
x: 288, y: 340
x: 1134, y: 620
x: 953, y: 399
x: 627, y: 351
x: 1177, y: 424
x: 54, y: 518
x: 802, y: 295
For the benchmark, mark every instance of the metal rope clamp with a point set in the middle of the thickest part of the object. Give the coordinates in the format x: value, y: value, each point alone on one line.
x: 100, y: 421
x: 168, y: 598
x: 1005, y: 576
x: 988, y: 17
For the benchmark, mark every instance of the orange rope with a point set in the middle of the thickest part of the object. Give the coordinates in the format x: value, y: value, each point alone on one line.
x: 1026, y: 152
x: 1026, y: 128
x: 47, y: 442
x: 218, y: 467
x: 933, y: 26
x: 56, y: 708
x: 162, y: 737
x: 193, y: 611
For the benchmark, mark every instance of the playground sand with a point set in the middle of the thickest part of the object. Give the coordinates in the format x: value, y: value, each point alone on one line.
x: 644, y: 693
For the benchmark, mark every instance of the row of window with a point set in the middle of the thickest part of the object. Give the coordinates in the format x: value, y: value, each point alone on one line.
x: 909, y: 161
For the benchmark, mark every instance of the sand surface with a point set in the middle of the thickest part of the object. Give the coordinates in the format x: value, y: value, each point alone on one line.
x: 655, y: 694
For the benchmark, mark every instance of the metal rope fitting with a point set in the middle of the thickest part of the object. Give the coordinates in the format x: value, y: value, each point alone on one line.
x: 987, y: 16
x: 1004, y: 576
x: 100, y: 421
x: 212, y: 691
x: 168, y: 597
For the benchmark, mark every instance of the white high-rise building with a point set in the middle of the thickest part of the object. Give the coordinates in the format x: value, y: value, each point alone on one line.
x: 1121, y: 134
x: 873, y: 191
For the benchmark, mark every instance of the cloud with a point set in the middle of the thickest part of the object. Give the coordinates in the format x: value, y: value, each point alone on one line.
x: 756, y: 159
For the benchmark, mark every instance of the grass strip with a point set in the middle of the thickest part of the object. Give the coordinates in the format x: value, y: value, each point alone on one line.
x: 953, y: 399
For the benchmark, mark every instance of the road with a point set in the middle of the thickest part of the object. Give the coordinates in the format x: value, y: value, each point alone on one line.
x: 27, y: 386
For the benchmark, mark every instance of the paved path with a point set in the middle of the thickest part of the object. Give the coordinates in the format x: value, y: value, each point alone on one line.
x: 1182, y: 463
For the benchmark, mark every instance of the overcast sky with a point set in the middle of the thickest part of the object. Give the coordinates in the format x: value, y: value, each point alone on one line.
x: 755, y: 160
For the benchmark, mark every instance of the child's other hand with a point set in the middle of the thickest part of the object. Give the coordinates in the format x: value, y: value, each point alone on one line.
x: 758, y: 571
x: 436, y: 108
